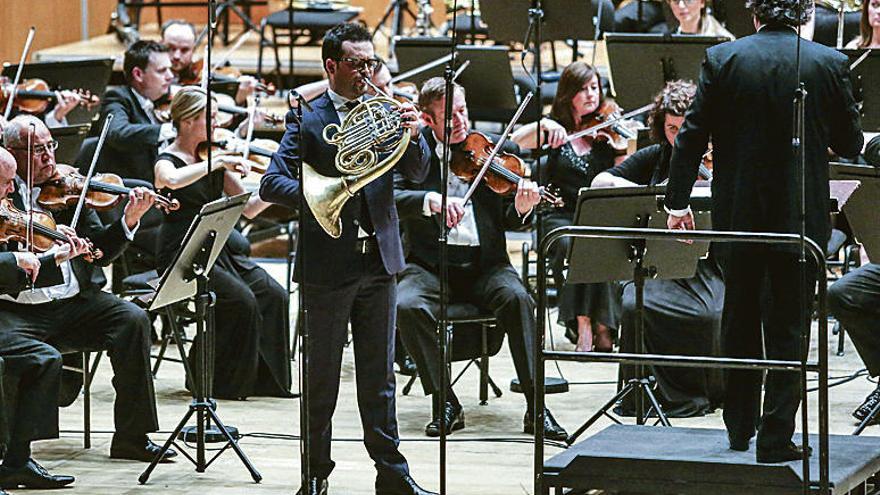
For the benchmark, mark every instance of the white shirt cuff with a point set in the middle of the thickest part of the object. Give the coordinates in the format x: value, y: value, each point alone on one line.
x: 426, y: 204
x: 129, y: 233
x: 167, y: 132
x: 52, y: 122
x: 678, y: 213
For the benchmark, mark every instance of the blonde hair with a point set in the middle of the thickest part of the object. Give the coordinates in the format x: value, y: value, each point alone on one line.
x: 188, y: 103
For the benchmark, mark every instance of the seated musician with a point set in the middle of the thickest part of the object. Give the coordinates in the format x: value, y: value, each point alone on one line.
x: 638, y: 16
x: 855, y: 301
x: 872, y: 151
x: 180, y: 38
x: 693, y: 18
x: 35, y: 364
x: 252, y: 354
x: 136, y: 133
x: 590, y: 312
x: 869, y: 27
x: 479, y: 268
x: 75, y: 313
x: 681, y: 316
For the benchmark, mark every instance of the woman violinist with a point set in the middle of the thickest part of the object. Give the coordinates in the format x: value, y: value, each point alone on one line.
x: 869, y: 26
x: 252, y: 352
x: 589, y: 311
x: 681, y: 316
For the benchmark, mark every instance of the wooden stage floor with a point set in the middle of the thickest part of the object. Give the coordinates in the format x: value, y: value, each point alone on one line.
x: 479, y: 462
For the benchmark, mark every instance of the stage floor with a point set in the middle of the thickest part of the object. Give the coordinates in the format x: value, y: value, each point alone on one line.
x: 490, y: 456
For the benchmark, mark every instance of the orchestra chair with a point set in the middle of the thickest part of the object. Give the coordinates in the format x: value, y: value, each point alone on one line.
x: 837, y: 243
x: 475, y: 338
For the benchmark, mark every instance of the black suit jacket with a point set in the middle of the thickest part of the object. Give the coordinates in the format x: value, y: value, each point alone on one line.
x: 110, y: 239
x: 329, y: 261
x: 421, y: 232
x: 131, y: 147
x: 744, y: 104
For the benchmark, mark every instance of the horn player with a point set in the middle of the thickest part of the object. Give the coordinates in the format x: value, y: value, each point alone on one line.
x: 352, y: 277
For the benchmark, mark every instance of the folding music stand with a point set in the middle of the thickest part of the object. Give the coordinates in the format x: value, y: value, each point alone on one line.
x: 629, y: 259
x: 641, y: 64
x: 507, y: 19
x: 187, y: 278
x: 70, y: 139
x: 861, y: 207
x: 866, y: 87
x: 90, y: 74
x: 488, y: 79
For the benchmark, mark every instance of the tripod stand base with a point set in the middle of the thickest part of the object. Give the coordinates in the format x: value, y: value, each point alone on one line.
x: 212, y: 435
x: 552, y: 385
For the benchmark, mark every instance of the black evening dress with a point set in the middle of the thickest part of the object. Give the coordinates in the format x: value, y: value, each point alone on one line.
x: 252, y: 350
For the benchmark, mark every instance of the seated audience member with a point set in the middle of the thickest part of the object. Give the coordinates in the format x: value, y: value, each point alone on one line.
x: 480, y: 272
x: 681, y: 316
x: 73, y: 312
x: 855, y: 301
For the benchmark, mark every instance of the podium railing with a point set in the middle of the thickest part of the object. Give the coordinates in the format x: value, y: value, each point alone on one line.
x: 804, y: 365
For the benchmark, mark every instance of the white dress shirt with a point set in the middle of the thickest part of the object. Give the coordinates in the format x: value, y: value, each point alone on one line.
x: 465, y: 233
x: 167, y: 132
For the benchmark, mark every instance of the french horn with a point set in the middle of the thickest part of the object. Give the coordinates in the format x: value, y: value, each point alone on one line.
x: 370, y: 141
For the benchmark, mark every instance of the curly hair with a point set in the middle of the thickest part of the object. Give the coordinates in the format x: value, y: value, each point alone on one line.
x: 788, y: 12
x: 675, y: 99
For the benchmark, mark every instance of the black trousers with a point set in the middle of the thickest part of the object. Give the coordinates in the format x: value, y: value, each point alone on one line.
x: 499, y: 290
x: 88, y: 320
x: 855, y: 301
x: 367, y: 300
x: 745, y: 270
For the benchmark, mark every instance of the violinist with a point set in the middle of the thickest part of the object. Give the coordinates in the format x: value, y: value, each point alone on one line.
x: 681, y: 316
x: 869, y: 26
x: 693, y: 17
x: 589, y: 311
x: 252, y: 354
x: 74, y: 312
x: 136, y: 134
x: 479, y: 267
x: 180, y: 38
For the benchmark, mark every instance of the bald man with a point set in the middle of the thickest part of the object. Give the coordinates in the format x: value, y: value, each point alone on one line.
x: 74, y: 312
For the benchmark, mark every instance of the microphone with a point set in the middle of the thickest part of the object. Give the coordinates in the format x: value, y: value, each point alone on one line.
x: 295, y: 99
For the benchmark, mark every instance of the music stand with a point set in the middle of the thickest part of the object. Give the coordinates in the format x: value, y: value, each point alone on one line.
x: 90, y: 74
x: 866, y: 87
x: 70, y: 139
x: 736, y: 17
x: 187, y: 278
x: 629, y: 259
x: 641, y: 64
x: 861, y: 207
x: 488, y: 79
x: 507, y: 23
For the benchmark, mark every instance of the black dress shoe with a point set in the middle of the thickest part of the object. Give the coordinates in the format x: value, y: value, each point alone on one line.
x: 453, y: 415
x: 552, y: 430
x: 790, y: 452
x: 738, y: 444
x: 143, y: 450
x: 399, y: 485
x: 317, y: 486
x: 32, y: 475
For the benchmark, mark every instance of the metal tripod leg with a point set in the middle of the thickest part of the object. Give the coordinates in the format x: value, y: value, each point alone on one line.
x: 142, y: 479
x: 234, y: 444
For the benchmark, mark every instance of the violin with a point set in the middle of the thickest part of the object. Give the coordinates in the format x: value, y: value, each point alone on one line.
x: 609, y: 124
x: 504, y: 173
x: 33, y: 96
x: 227, y: 74
x: 14, y: 225
x: 227, y: 143
x: 104, y: 191
x: 226, y: 111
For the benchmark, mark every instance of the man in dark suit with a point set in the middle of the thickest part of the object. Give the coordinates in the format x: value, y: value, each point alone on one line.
x: 350, y: 278
x: 72, y: 311
x: 744, y: 104
x: 135, y: 133
x: 479, y: 267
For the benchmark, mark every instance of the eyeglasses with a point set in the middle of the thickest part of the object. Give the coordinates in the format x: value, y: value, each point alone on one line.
x: 686, y: 2
x: 40, y: 149
x: 360, y: 63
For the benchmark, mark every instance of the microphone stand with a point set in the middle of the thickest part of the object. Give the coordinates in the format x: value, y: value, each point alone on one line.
x: 443, y: 328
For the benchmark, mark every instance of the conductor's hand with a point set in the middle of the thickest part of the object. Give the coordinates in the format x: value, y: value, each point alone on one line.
x: 527, y: 196
x: 410, y: 117
x: 454, y: 209
x: 29, y: 263
x: 684, y: 222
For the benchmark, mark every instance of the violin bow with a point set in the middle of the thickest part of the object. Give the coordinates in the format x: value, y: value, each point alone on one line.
x: 861, y: 59
x: 225, y: 58
x: 497, y: 148
x: 249, y: 136
x: 29, y: 236
x: 88, y: 180
x: 422, y: 68
x: 24, y: 53
x: 609, y: 123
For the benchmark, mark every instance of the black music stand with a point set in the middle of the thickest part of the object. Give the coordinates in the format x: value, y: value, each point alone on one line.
x: 866, y: 87
x: 187, y: 278
x: 641, y: 64
x: 507, y: 23
x: 861, y: 207
x: 488, y: 79
x: 70, y: 139
x: 90, y: 74
x: 629, y: 259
